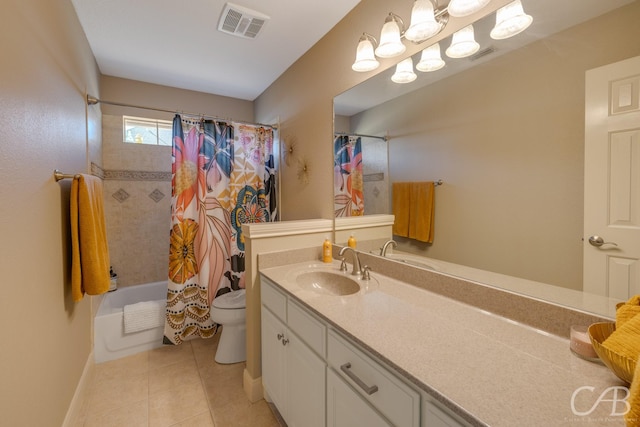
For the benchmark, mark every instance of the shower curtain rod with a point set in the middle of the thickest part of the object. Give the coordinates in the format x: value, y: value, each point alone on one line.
x: 92, y: 100
x: 384, y: 138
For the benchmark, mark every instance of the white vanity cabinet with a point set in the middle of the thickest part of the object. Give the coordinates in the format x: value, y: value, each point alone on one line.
x: 293, y: 374
x: 317, y: 377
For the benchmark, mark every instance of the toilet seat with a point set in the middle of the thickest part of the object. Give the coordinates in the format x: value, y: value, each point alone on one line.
x: 231, y: 300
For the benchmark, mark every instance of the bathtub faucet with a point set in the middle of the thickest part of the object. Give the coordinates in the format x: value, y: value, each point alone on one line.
x: 383, y: 250
x: 357, y: 271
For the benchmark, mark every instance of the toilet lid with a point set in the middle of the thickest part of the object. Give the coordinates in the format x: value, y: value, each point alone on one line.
x: 233, y: 299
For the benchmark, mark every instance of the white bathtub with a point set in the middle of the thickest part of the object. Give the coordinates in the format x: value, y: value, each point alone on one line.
x: 109, y: 340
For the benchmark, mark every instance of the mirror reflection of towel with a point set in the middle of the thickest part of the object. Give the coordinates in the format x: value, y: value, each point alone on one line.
x: 89, y: 250
x: 413, y: 208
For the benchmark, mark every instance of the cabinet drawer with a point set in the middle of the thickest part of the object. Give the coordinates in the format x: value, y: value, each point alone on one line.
x: 307, y: 327
x: 395, y: 400
x: 273, y: 298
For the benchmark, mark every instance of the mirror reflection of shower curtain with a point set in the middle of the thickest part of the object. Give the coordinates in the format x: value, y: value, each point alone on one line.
x: 223, y: 176
x: 348, y: 180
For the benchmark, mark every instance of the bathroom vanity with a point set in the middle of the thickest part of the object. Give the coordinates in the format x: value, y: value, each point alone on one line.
x: 392, y: 353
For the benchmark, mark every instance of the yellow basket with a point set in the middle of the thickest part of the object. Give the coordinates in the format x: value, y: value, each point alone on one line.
x: 622, y: 366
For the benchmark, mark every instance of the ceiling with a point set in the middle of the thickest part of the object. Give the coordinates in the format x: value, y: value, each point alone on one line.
x: 178, y: 44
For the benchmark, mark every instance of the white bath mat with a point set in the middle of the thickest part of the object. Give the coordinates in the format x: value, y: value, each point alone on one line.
x: 144, y: 315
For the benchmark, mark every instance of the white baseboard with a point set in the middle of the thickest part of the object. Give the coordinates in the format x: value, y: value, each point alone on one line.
x: 252, y: 387
x: 80, y: 396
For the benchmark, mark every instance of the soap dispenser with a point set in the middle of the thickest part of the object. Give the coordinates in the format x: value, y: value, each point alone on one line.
x: 326, y: 251
x: 351, y: 242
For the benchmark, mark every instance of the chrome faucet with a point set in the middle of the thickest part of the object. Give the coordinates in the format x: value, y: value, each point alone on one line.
x: 356, y: 261
x: 383, y: 250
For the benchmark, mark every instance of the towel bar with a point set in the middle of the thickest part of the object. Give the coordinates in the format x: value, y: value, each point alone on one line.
x: 59, y: 175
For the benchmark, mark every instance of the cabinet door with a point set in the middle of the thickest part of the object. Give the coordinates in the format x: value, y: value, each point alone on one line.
x: 274, y: 360
x: 345, y: 407
x: 433, y: 416
x: 305, y: 385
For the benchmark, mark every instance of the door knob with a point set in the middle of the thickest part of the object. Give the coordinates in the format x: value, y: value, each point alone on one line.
x: 598, y: 241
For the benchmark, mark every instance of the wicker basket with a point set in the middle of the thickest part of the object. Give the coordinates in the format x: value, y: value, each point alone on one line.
x: 622, y: 366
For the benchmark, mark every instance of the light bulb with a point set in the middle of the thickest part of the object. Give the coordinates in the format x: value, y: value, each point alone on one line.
x: 459, y: 8
x: 463, y: 43
x: 430, y: 60
x: 390, y: 43
x: 510, y: 20
x: 365, y: 59
x: 423, y: 22
x: 404, y: 72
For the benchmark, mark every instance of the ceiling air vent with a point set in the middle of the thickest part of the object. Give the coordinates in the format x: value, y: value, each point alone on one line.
x: 241, y: 21
x: 485, y: 52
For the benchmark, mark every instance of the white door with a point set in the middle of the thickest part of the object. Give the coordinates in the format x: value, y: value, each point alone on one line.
x: 612, y: 180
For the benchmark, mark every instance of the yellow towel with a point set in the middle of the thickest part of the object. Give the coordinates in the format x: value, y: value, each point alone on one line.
x: 632, y: 417
x: 626, y: 340
x: 421, y: 216
x: 401, y: 202
x: 626, y: 310
x: 413, y: 209
x: 89, y: 251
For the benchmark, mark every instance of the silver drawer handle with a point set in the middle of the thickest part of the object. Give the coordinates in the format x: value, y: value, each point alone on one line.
x: 346, y: 369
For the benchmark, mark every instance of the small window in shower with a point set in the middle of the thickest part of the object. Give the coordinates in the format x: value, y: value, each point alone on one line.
x: 138, y: 130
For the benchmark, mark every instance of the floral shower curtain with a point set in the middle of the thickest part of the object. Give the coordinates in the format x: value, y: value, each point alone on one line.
x: 348, y: 182
x: 223, y: 176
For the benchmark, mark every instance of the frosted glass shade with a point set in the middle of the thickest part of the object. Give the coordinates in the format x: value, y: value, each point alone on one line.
x: 510, y: 20
x: 365, y: 58
x: 423, y: 22
x: 463, y: 43
x: 460, y: 8
x: 430, y: 60
x: 390, y: 43
x: 404, y: 72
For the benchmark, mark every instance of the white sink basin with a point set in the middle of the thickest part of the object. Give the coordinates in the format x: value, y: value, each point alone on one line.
x: 328, y: 283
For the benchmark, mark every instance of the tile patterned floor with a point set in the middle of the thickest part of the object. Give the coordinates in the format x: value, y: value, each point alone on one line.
x: 173, y: 386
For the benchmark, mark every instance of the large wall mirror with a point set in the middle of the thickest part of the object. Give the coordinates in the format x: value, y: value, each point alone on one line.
x: 505, y: 132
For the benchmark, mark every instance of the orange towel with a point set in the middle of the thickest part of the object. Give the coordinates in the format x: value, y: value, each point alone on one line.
x: 401, y: 202
x: 421, y: 216
x: 89, y: 250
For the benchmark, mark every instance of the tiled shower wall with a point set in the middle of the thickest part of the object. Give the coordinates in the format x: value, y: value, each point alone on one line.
x: 375, y: 173
x: 137, y: 193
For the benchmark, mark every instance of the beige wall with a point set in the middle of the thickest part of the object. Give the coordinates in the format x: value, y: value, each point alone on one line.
x: 138, y: 226
x: 507, y: 138
x: 46, y: 69
x: 302, y: 99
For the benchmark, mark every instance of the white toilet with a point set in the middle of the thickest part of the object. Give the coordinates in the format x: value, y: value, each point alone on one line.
x: 229, y: 310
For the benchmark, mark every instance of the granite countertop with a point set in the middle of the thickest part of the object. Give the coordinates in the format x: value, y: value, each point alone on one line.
x: 488, y: 369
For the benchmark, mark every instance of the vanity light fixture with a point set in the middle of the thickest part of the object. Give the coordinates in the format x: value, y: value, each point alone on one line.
x: 390, y: 43
x: 463, y: 43
x: 459, y: 8
x: 404, y: 72
x: 365, y: 58
x: 510, y: 20
x: 430, y: 60
x: 424, y: 23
